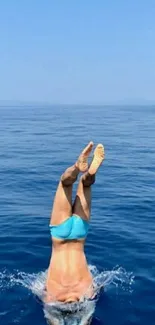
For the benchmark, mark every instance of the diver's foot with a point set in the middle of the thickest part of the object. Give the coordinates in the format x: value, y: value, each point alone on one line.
x: 82, y: 162
x: 97, y: 159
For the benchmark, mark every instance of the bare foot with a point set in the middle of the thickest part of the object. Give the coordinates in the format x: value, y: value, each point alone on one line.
x: 82, y: 162
x: 97, y: 159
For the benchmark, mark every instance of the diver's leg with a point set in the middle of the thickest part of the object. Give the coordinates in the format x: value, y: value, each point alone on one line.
x: 82, y: 204
x: 62, y: 206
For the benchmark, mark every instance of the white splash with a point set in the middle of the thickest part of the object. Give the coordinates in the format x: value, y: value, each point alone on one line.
x: 35, y: 282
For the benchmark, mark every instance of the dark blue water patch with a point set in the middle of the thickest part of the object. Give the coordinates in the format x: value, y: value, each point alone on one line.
x: 37, y: 144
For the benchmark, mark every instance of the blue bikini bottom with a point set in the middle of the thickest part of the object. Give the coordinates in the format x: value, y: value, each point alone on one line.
x: 73, y: 228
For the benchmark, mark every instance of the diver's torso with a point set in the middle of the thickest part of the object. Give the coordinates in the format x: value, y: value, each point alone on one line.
x: 68, y: 273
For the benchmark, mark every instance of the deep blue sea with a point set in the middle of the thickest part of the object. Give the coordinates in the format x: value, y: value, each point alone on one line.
x: 36, y: 145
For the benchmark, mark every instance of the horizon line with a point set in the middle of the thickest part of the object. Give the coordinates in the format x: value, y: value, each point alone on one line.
x: 13, y: 103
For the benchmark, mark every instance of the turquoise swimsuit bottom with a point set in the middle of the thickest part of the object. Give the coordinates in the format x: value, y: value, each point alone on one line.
x: 72, y: 228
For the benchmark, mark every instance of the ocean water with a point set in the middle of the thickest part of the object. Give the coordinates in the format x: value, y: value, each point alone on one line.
x: 36, y: 145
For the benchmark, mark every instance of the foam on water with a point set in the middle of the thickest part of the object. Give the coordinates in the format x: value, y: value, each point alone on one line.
x: 83, y: 310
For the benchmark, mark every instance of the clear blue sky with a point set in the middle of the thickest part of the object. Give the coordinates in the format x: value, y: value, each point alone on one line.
x: 84, y: 51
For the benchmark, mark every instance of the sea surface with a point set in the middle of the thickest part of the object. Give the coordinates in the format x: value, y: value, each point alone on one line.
x: 36, y: 145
